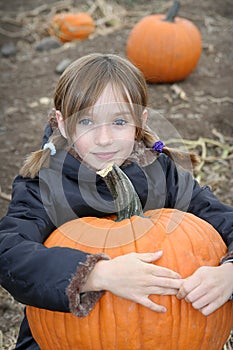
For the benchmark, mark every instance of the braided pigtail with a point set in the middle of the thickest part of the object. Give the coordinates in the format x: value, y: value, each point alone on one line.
x: 185, y: 159
x: 41, y: 158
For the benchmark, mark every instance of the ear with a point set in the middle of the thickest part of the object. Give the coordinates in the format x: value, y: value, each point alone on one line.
x: 144, y: 117
x: 60, y: 122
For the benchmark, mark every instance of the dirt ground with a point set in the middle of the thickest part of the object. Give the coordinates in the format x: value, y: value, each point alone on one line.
x: 198, y: 107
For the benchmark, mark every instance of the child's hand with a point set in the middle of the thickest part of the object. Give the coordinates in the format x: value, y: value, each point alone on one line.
x: 208, y: 288
x: 133, y: 277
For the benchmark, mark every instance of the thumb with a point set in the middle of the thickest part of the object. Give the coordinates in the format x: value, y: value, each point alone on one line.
x: 149, y: 257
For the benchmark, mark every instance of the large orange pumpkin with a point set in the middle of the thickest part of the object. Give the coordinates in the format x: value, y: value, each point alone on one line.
x: 165, y: 49
x: 118, y: 324
x: 71, y: 26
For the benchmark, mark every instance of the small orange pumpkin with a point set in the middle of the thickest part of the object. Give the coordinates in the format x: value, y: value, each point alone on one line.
x: 119, y: 324
x: 71, y: 26
x: 165, y: 48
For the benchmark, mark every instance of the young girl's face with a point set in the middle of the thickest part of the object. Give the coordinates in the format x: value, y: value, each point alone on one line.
x: 105, y: 133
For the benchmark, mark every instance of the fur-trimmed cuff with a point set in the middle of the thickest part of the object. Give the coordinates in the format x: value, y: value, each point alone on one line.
x: 227, y: 257
x: 82, y: 303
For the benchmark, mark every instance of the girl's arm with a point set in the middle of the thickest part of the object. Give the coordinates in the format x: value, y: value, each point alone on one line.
x: 133, y: 277
x: 184, y: 193
x: 33, y: 274
x: 206, y: 205
x: 209, y: 287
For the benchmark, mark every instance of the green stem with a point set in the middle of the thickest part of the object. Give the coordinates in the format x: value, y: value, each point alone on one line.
x: 126, y: 199
x: 172, y: 12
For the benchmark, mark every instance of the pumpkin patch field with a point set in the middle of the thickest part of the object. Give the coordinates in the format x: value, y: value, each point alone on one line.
x: 185, y: 53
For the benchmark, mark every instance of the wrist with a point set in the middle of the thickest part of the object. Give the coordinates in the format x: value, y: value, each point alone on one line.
x: 96, y: 279
x: 227, y: 267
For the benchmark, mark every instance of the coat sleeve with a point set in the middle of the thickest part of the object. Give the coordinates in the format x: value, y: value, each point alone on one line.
x: 30, y: 272
x: 184, y: 193
x: 207, y: 206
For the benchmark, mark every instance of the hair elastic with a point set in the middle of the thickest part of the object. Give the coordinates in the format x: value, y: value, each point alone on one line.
x: 158, y: 146
x: 50, y: 145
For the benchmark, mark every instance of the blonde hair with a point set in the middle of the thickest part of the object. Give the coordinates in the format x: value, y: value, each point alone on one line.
x: 80, y: 86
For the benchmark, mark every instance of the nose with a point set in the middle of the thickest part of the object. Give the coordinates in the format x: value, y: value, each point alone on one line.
x: 103, y: 135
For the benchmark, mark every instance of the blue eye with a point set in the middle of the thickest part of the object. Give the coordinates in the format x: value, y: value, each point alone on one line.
x: 85, y: 121
x: 120, y: 122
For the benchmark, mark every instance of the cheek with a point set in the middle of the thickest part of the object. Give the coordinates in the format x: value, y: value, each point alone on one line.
x: 129, y: 147
x: 128, y: 134
x: 131, y: 137
x: 125, y: 139
x: 82, y: 144
x: 126, y: 144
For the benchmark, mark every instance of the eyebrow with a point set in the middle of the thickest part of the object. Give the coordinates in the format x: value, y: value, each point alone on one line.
x: 116, y: 114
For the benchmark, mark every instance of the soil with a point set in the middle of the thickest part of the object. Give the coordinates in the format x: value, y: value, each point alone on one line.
x: 199, y: 106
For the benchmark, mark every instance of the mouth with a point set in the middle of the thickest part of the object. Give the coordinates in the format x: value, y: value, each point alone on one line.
x: 105, y: 155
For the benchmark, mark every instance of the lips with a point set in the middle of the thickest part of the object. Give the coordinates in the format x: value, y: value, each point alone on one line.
x: 105, y: 155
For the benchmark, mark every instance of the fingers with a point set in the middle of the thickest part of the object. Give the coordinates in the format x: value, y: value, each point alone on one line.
x: 208, y: 304
x: 202, y: 302
x: 207, y: 289
x: 163, y: 286
x: 190, y: 296
x: 150, y: 257
x: 155, y: 270
x: 160, y: 271
x: 162, y: 291
x: 173, y: 283
x: 152, y: 306
x: 211, y: 307
x: 190, y: 285
x: 207, y: 310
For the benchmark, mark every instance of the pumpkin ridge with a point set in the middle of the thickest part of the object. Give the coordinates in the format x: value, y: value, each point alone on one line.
x: 44, y: 333
x: 101, y: 321
x: 59, y: 323
x: 47, y: 334
x: 135, y: 238
x: 90, y: 338
x: 188, y: 58
x: 211, y: 233
x: 207, y: 332
x: 110, y: 236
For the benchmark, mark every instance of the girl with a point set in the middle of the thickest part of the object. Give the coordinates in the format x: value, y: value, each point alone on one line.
x: 100, y: 117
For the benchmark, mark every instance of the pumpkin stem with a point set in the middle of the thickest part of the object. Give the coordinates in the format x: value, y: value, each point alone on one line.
x: 172, y: 12
x: 126, y: 199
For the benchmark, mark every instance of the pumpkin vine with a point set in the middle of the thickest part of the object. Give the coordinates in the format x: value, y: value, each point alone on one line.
x: 126, y: 199
x: 172, y: 12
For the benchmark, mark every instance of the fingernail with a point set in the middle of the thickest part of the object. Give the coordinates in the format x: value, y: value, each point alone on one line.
x: 159, y: 252
x: 163, y: 310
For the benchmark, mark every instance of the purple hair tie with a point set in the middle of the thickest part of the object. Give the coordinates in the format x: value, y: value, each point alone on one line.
x: 158, y: 146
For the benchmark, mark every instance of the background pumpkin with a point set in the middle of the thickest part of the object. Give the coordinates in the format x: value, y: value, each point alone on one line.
x: 165, y: 48
x: 118, y: 324
x: 71, y: 26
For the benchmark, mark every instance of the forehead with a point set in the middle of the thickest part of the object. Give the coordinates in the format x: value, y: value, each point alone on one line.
x: 110, y: 94
x: 111, y: 100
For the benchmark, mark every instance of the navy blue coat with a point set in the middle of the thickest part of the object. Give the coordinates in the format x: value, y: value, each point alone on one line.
x: 38, y: 276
